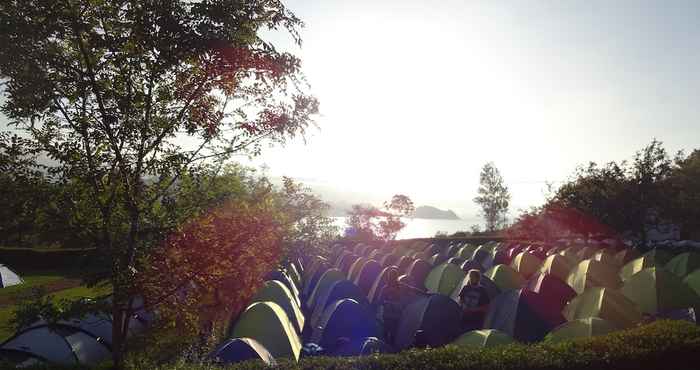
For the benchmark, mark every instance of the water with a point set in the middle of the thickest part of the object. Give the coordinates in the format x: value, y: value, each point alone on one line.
x: 421, y: 227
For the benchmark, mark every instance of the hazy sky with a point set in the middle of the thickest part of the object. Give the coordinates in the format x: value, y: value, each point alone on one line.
x: 417, y: 95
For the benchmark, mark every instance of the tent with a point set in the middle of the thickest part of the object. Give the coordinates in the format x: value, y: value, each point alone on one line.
x: 571, y: 253
x: 580, y: 328
x: 368, y: 274
x: 58, y: 344
x: 592, y: 273
x: 626, y: 255
x: 344, y: 319
x: 267, y: 323
x: 356, y: 268
x: 483, y: 338
x: 606, y: 257
x: 438, y: 259
x: 338, y: 290
x: 457, y: 261
x: 484, y: 256
x: 347, y: 263
x: 472, y: 265
x: 438, y: 316
x: 693, y: 281
x: 288, y: 283
x: 657, y: 290
x: 241, y: 349
x: 390, y: 259
x: 361, y: 347
x: 684, y: 263
x: 324, y: 283
x: 491, y: 288
x: 558, y: 266
x: 8, y: 277
x: 556, y: 291
x: 652, y: 258
x: 467, y: 251
x: 605, y: 303
x: 312, y: 275
x: 275, y: 291
x: 505, y: 277
x: 379, y: 283
x: 418, y: 273
x: 453, y: 250
x: 404, y: 264
x: 524, y: 315
x: 526, y: 264
x: 586, y: 252
x: 444, y: 278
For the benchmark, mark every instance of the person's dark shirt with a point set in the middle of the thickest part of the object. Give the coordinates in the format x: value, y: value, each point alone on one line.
x: 473, y: 296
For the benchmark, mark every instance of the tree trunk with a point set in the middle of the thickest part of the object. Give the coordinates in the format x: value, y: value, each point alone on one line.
x: 118, y: 336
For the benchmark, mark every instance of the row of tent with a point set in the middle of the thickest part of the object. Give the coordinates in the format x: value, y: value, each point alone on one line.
x: 539, y: 292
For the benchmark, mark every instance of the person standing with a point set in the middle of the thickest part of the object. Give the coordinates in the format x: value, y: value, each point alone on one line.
x: 474, y: 300
x: 391, y: 305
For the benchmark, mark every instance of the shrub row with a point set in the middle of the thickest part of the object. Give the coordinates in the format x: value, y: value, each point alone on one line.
x: 34, y: 259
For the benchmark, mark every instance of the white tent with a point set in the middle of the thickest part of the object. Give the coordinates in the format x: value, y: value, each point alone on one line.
x: 8, y: 277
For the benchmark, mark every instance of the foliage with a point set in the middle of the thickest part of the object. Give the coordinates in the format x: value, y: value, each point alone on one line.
x: 127, y: 98
x: 371, y: 223
x: 493, y: 197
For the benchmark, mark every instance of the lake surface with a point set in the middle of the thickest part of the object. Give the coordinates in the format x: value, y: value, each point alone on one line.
x: 421, y: 227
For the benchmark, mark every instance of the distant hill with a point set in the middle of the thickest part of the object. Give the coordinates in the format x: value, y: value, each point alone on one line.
x: 431, y: 212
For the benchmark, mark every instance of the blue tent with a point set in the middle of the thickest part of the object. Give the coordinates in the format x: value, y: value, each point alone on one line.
x: 404, y: 264
x: 313, y: 280
x: 390, y: 260
x: 344, y: 319
x: 368, y: 275
x: 523, y: 314
x: 340, y: 289
x: 438, y: 316
x: 241, y: 349
x: 361, y: 347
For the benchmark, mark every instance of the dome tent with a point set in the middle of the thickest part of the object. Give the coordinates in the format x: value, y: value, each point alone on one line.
x: 438, y: 316
x: 483, y: 338
x: 57, y: 343
x: 556, y: 291
x: 267, y: 323
x: 505, y: 277
x: 558, y: 266
x: 344, y: 319
x: 241, y: 349
x: 287, y: 282
x: 8, y: 277
x: 368, y: 274
x: 491, y: 288
x: 580, y: 328
x: 526, y: 264
x: 604, y: 303
x: 379, y: 283
x: 655, y: 257
x: 684, y: 263
x: 444, y: 278
x: 275, y: 291
x: 362, y: 347
x: 524, y: 315
x: 324, y: 283
x: 340, y: 289
x: 592, y: 273
x: 656, y: 290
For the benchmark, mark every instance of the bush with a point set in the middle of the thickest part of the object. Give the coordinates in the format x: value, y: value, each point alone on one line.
x: 52, y: 258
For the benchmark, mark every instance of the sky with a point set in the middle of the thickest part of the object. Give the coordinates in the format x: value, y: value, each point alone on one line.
x: 416, y: 96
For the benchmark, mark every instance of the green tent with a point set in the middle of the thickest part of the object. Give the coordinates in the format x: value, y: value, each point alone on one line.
x: 606, y: 257
x: 267, y: 323
x: 693, y: 281
x: 604, y: 303
x: 444, y: 278
x: 580, y: 328
x: 592, y: 273
x: 586, y: 252
x: 652, y: 258
x: 626, y: 255
x: 571, y: 254
x: 557, y: 265
x: 467, y: 251
x: 483, y: 338
x: 505, y: 277
x: 656, y: 290
x: 276, y: 291
x: 324, y: 283
x: 526, y: 264
x: 684, y: 263
x: 356, y: 268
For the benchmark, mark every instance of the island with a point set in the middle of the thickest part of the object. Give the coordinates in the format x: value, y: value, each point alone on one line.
x: 431, y: 212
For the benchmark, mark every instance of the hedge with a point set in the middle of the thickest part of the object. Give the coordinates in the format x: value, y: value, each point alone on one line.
x: 53, y: 258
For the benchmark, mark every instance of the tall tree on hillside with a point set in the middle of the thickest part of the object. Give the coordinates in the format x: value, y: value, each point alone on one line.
x: 125, y: 97
x: 493, y: 198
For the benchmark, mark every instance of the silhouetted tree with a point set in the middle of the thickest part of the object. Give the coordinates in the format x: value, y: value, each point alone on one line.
x: 493, y: 198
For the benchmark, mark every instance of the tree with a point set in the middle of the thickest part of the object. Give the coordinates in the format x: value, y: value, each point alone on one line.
x: 127, y: 97
x: 683, y: 193
x: 372, y: 223
x: 493, y: 197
